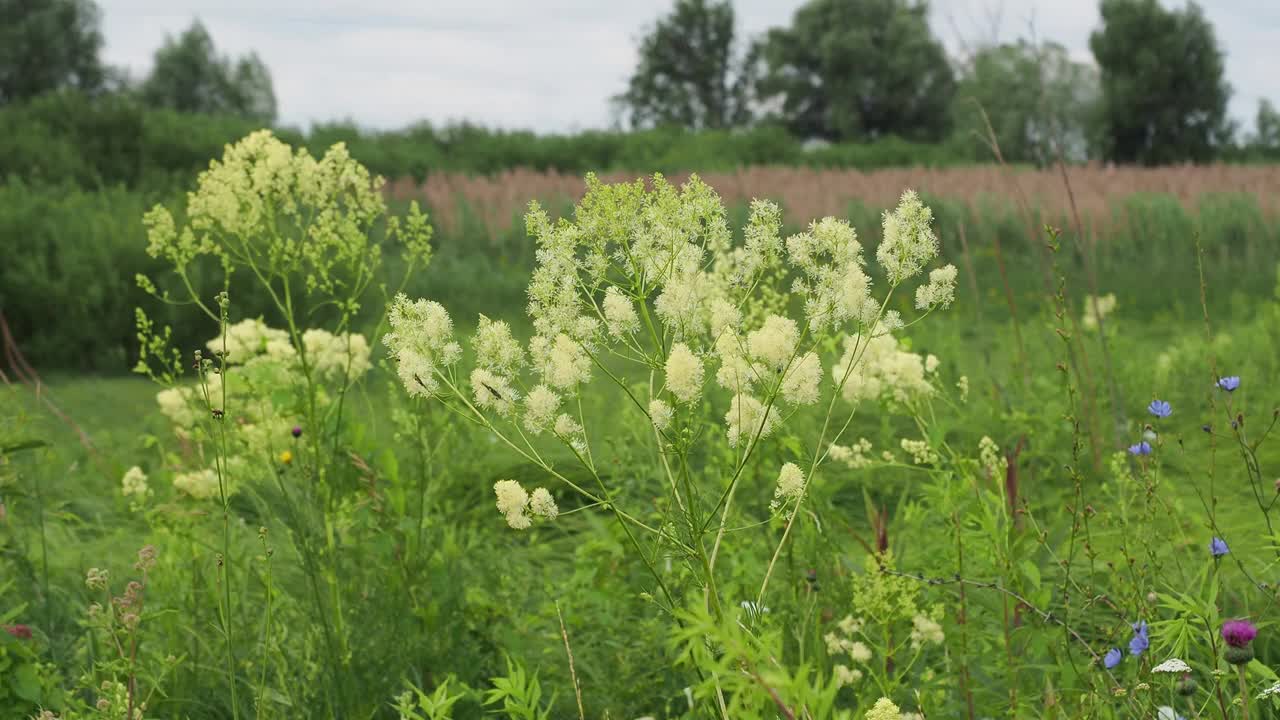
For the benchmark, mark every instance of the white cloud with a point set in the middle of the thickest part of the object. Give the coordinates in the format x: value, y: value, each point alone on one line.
x: 552, y: 65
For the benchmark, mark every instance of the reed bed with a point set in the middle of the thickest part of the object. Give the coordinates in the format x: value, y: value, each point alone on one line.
x: 495, y: 201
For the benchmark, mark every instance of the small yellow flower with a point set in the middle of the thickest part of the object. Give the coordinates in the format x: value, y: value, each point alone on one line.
x: 286, y: 457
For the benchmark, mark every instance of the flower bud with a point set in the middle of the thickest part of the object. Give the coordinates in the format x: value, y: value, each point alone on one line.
x: 1239, y: 655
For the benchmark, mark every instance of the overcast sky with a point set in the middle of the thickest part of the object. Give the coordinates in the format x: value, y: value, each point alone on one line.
x: 551, y: 65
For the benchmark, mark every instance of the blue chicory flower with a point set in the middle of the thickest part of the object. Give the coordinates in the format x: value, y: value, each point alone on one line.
x: 1140, y: 641
x: 1112, y: 658
x: 1160, y: 408
x: 1229, y: 383
x: 1142, y: 448
x: 1218, y: 547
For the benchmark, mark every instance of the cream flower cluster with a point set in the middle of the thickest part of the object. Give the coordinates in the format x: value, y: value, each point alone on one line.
x: 1095, y: 308
x: 877, y: 366
x: 421, y: 341
x: 134, y: 483
x: 649, y: 276
x: 790, y: 486
x: 519, y: 506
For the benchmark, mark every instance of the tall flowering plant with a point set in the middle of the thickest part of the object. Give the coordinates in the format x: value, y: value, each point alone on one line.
x: 712, y: 345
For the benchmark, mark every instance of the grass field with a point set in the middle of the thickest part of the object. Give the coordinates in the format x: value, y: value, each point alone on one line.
x: 334, y: 569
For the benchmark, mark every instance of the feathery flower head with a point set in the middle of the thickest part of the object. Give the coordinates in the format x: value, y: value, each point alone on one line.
x: 660, y: 413
x: 540, y: 407
x: 1141, y: 640
x: 1218, y: 547
x: 619, y: 313
x: 1229, y: 383
x: 1142, y: 448
x: 909, y: 243
x: 1160, y: 408
x: 684, y: 373
x: 790, y: 485
x: 542, y: 504
x: 134, y: 482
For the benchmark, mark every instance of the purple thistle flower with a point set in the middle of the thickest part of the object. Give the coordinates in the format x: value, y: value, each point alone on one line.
x: 1140, y: 641
x: 1218, y: 547
x: 297, y: 431
x: 1238, y: 633
x: 1142, y: 448
x: 1160, y: 408
x: 1229, y: 383
x: 1112, y: 658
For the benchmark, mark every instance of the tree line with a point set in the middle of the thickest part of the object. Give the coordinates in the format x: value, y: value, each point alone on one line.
x: 859, y: 70
x: 844, y: 74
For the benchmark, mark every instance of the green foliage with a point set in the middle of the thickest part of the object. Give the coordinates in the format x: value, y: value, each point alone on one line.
x: 1164, y: 96
x: 48, y: 45
x: 190, y: 77
x: 1036, y: 99
x: 859, y: 69
x: 688, y: 74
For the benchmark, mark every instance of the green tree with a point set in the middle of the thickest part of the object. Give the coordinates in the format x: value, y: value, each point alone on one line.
x: 859, y: 69
x: 1267, y: 125
x: 46, y: 45
x: 1163, y: 93
x: 190, y: 76
x: 689, y: 74
x: 1035, y: 97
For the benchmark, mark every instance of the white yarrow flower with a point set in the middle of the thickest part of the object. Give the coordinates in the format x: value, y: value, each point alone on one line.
x: 1172, y: 665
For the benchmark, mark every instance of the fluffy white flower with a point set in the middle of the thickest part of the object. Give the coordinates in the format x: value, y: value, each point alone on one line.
x: 496, y: 349
x: 909, y: 243
x: 540, y: 406
x: 562, y: 361
x: 775, y: 342
x: 859, y: 652
x: 678, y: 304
x: 925, y: 630
x: 512, y: 503
x: 1172, y: 665
x: 880, y: 367
x: 134, y: 483
x: 800, y: 386
x: 542, y: 504
x: 736, y: 372
x: 334, y: 356
x: 724, y: 315
x: 684, y: 373
x: 200, y: 484
x: 1095, y: 308
x: 247, y: 339
x: 493, y: 392
x: 845, y: 675
x: 567, y: 427
x: 940, y: 291
x: 619, y: 313
x: 661, y: 414
x: 421, y: 339
x: 790, y: 485
x: 747, y: 417
x: 174, y: 404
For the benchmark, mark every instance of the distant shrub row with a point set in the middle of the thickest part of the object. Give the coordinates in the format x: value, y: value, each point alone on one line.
x: 111, y: 140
